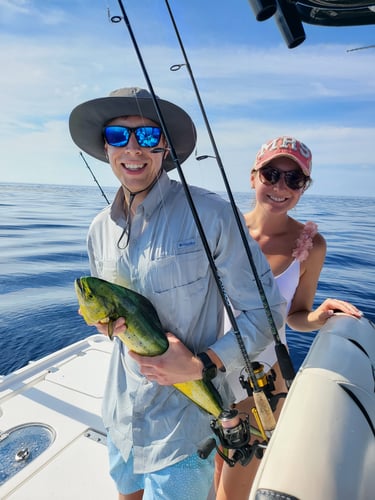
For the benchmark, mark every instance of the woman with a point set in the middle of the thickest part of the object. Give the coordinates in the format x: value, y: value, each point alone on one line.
x: 296, y: 253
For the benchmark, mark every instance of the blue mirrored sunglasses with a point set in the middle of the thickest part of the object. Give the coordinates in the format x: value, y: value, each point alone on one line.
x: 118, y: 136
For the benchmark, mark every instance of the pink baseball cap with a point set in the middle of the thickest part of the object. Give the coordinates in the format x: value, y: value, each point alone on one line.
x: 285, y: 146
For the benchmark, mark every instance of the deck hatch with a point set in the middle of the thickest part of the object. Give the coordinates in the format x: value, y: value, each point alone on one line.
x: 20, y: 445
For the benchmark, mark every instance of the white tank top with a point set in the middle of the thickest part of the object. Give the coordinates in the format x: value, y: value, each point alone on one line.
x: 287, y: 282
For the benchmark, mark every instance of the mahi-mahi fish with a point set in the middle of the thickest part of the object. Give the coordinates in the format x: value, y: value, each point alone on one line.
x: 102, y: 301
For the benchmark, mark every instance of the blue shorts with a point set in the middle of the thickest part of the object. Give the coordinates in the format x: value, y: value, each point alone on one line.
x: 190, y: 479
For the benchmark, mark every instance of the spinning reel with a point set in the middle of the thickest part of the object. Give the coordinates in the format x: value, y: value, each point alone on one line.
x: 233, y: 429
x: 233, y: 432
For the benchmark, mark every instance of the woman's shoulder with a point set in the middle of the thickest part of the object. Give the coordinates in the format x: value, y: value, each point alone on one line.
x: 309, y: 238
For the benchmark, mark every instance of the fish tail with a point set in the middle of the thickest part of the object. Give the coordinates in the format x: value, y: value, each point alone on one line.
x: 203, y: 395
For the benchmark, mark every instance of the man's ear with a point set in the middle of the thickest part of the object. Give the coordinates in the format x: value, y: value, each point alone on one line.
x: 166, y: 152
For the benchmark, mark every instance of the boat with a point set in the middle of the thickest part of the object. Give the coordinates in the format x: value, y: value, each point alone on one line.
x: 53, y: 443
x: 323, y: 446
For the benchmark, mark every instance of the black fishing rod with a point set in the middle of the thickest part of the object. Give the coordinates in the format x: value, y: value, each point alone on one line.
x: 260, y: 399
x: 282, y: 354
x: 93, y: 176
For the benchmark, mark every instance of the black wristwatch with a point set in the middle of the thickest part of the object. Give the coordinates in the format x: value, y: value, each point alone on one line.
x: 209, y: 368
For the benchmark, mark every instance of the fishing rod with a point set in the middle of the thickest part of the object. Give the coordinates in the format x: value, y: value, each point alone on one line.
x: 361, y: 48
x: 282, y: 354
x: 261, y: 401
x: 93, y: 176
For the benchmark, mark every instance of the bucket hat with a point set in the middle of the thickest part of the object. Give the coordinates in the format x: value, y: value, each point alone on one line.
x: 87, y: 120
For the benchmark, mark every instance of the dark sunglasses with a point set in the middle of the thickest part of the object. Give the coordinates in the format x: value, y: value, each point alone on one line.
x: 294, y: 179
x: 118, y: 136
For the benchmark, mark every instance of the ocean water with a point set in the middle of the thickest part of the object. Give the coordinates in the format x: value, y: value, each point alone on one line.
x: 42, y: 250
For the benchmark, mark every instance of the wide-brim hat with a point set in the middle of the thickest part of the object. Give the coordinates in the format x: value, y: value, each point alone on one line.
x: 87, y: 120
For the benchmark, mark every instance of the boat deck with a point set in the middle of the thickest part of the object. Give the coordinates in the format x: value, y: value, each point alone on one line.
x: 61, y: 395
x: 53, y: 443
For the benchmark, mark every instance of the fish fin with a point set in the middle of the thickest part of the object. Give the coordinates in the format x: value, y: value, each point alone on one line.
x: 110, y: 329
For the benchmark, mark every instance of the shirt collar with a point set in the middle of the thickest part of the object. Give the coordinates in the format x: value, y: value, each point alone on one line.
x: 153, y: 199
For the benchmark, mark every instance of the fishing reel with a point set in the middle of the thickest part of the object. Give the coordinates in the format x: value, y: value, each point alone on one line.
x: 232, y: 428
x: 265, y: 382
x: 233, y: 433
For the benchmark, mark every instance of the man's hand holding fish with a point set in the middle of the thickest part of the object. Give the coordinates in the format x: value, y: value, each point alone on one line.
x: 177, y: 364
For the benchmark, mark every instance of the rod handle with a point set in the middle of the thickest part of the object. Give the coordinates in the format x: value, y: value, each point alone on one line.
x: 264, y: 411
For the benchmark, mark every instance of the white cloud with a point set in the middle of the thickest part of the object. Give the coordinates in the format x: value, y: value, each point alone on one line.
x: 14, y: 7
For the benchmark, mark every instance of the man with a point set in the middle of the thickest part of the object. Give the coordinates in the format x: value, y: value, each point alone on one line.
x: 148, y: 241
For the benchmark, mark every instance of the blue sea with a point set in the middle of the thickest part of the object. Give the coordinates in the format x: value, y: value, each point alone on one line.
x: 43, y: 231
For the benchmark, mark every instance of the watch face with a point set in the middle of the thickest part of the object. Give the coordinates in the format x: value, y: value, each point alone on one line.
x: 210, y: 373
x: 209, y: 368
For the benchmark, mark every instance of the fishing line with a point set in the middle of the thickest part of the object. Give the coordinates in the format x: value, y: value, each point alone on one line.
x: 93, y: 176
x: 200, y: 229
x: 283, y: 357
x: 132, y: 195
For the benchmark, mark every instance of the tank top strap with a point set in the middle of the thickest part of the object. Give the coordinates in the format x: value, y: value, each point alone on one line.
x: 305, y: 241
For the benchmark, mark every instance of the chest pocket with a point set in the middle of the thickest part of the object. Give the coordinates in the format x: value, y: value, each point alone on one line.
x: 173, y: 272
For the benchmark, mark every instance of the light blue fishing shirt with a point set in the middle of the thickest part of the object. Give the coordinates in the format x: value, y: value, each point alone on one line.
x: 166, y: 261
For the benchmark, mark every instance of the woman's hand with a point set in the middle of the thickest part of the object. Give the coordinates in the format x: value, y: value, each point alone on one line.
x: 177, y: 364
x: 308, y: 321
x: 329, y: 307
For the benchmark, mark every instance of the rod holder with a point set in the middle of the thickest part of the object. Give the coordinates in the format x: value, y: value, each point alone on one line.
x: 289, y: 23
x: 263, y: 9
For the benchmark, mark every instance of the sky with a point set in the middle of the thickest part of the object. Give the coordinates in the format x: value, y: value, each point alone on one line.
x: 57, y: 54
